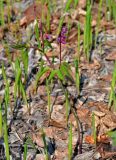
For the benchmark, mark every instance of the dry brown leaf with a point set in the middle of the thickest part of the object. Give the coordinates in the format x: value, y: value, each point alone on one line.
x: 110, y: 121
x: 72, y: 35
x: 84, y: 115
x: 107, y: 78
x: 107, y: 25
x: 103, y: 138
x: 95, y: 65
x: 51, y: 54
x: 59, y: 114
x: 107, y: 155
x: 57, y: 124
x: 99, y: 114
x: 111, y: 43
x: 60, y: 155
x: 44, y: 76
x: 89, y: 139
x: 111, y: 56
x: 41, y: 90
x: 50, y: 131
x: 37, y: 138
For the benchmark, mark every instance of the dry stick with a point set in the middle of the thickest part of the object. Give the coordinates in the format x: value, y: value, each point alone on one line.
x: 79, y: 130
x: 60, y: 50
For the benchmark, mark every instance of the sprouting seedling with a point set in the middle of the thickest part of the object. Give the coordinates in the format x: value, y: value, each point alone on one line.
x: 25, y: 151
x: 88, y: 32
x: 24, y: 58
x: 19, y: 89
x: 6, y: 139
x: 79, y: 32
x: 49, y: 99
x: 67, y: 7
x: 77, y: 76
x: 1, y: 130
x: 114, y: 11
x: 75, y: 3
x: 109, y: 9
x: 9, y: 10
x: 67, y: 106
x: 2, y: 13
x: 7, y: 51
x: 41, y: 72
x: 18, y: 73
x: 112, y: 134
x: 7, y: 92
x: 98, y: 20
x: 48, y: 15
x: 70, y: 143
x: 24, y: 96
x: 62, y: 40
x: 113, y: 85
x: 94, y: 128
x: 45, y: 145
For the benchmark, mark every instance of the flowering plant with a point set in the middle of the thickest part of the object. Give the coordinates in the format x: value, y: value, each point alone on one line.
x: 62, y: 39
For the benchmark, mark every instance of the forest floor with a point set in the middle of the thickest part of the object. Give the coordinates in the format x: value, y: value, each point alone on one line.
x: 47, y: 114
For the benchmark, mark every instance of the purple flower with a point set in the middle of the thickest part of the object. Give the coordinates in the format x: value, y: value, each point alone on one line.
x: 64, y: 30
x: 47, y: 37
x: 62, y: 36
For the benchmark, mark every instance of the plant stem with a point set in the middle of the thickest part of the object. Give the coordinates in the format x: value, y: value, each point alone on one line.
x: 60, y: 50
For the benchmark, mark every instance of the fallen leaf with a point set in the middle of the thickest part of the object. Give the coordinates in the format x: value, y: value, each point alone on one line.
x: 103, y: 138
x: 37, y: 138
x: 52, y: 54
x: 111, y: 43
x: 56, y: 124
x: 99, y: 114
x: 111, y: 56
x: 89, y: 139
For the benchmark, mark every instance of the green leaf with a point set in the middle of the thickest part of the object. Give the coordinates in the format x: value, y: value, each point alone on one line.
x: 112, y: 134
x: 47, y: 44
x: 94, y: 128
x: 52, y: 75
x: 60, y: 75
x: 19, y: 46
x: 37, y: 33
x: 67, y: 7
x: 70, y: 143
x: 40, y: 73
x: 65, y: 70
x: 75, y: 3
x: 1, y: 131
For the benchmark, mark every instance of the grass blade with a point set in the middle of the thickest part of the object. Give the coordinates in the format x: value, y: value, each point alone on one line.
x: 70, y: 143
x: 6, y: 139
x: 0, y: 121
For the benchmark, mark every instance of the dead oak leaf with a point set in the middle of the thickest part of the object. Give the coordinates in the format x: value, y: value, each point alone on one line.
x: 111, y: 56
